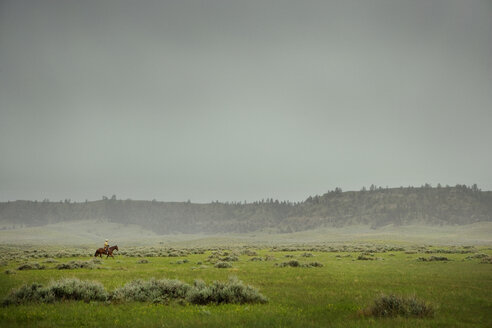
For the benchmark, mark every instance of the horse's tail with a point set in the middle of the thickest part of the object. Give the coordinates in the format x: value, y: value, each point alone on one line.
x: 95, y: 254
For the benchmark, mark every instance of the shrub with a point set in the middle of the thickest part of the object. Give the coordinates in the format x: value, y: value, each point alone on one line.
x: 76, y: 265
x: 256, y: 259
x: 297, y: 264
x: 75, y: 289
x: 160, y: 291
x: 392, y: 306
x: 233, y: 291
x: 8, y: 271
x: 223, y: 265
x: 151, y: 291
x: 362, y: 257
x: 182, y: 261
x: 50, y: 261
x: 433, y: 258
x: 142, y: 261
x: 27, y: 293
x: 31, y: 266
x: 307, y: 255
x: 486, y: 260
x: 65, y: 289
x: 476, y: 256
x: 249, y: 252
x: 291, y: 263
x: 230, y: 258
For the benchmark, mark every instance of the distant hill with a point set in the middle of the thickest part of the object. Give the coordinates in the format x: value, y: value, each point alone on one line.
x: 376, y: 207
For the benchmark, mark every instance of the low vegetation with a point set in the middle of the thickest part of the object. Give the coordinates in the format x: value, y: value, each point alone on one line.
x: 297, y: 264
x: 65, y: 289
x: 392, y: 306
x: 328, y: 292
x: 433, y: 258
x: 223, y: 265
x: 232, y: 291
x: 77, y: 265
x: 151, y: 291
x: 31, y: 266
x: 154, y: 291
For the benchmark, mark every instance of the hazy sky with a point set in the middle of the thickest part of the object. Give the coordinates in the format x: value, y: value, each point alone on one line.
x: 242, y: 100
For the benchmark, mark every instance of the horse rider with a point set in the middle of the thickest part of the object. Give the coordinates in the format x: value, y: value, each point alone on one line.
x: 106, y: 246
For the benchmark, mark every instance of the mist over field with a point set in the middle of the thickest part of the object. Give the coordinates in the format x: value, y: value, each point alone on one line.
x: 457, y: 213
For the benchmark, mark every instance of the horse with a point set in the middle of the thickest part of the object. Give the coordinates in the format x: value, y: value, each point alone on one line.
x: 109, y: 253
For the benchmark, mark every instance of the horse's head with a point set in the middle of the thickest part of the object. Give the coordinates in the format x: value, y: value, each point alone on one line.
x: 116, y: 247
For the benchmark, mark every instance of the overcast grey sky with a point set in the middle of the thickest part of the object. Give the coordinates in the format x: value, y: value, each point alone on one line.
x: 242, y: 100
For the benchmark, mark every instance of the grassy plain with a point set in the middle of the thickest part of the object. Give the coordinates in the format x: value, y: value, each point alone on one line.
x: 330, y: 296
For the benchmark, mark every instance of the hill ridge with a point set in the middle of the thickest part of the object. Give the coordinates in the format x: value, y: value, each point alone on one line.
x: 375, y: 207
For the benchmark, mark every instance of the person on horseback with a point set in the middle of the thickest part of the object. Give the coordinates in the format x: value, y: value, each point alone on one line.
x: 106, y: 246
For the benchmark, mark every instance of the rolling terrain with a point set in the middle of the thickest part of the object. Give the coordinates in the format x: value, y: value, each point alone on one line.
x: 375, y: 208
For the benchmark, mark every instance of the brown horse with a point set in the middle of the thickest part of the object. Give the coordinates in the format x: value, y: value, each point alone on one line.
x: 101, y: 251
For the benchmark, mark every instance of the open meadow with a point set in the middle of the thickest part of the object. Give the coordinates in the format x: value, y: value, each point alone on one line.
x: 310, y: 285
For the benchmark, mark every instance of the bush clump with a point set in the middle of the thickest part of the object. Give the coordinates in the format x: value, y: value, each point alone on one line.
x: 297, y: 264
x: 223, y: 265
x: 291, y: 263
x: 50, y: 261
x: 433, y: 258
x: 233, y: 291
x: 76, y: 265
x: 142, y: 261
x: 75, y: 289
x: 476, y: 256
x: 486, y: 260
x: 65, y: 289
x: 157, y: 291
x: 249, y: 252
x: 392, y: 306
x: 31, y: 266
x: 229, y: 258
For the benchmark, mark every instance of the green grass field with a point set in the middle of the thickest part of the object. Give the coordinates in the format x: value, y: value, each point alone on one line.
x: 330, y: 296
